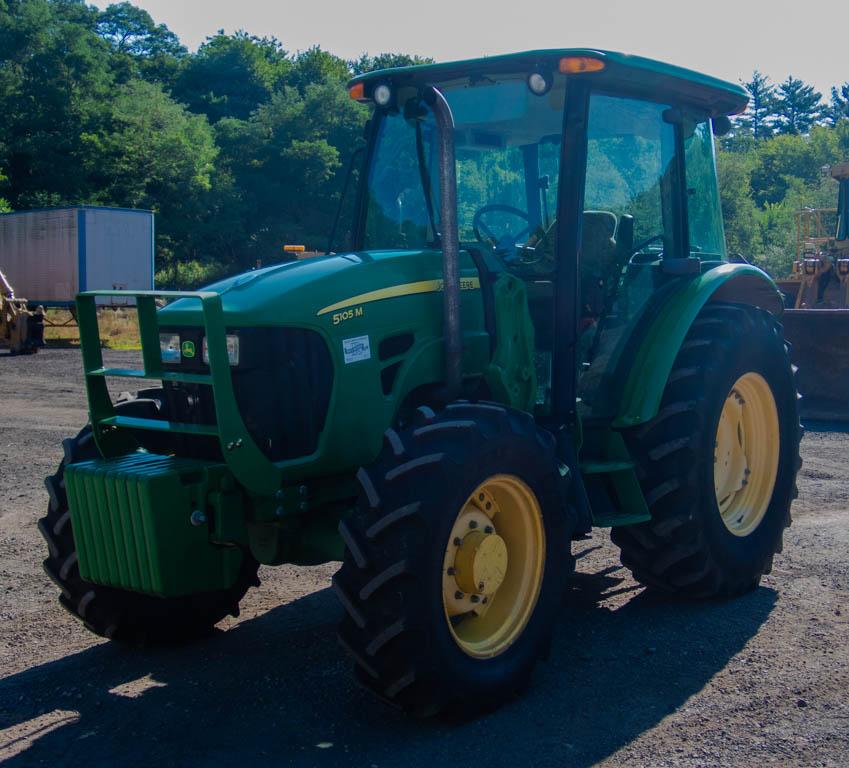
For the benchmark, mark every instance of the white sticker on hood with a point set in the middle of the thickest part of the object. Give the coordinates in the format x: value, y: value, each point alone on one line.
x: 356, y: 349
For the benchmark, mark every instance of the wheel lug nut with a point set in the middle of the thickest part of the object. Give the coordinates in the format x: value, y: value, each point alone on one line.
x: 451, y: 571
x: 473, y: 523
x: 458, y: 595
x: 457, y: 541
x: 489, y: 529
x: 474, y: 599
x: 484, y: 600
x: 481, y: 587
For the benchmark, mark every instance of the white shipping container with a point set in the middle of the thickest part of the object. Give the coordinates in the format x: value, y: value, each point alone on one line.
x: 49, y: 256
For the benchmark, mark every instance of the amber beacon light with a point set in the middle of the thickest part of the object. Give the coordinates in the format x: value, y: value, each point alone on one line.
x: 577, y: 65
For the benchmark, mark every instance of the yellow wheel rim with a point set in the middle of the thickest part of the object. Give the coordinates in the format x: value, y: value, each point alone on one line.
x: 745, y: 461
x: 493, y: 566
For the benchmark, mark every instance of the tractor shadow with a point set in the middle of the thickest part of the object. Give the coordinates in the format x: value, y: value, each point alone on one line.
x: 815, y: 425
x: 276, y: 690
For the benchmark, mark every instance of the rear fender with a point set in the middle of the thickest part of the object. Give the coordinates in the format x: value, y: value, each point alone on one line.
x: 660, y: 342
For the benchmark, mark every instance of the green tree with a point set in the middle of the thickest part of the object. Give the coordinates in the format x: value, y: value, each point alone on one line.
x: 140, y: 46
x: 288, y: 163
x: 838, y: 108
x: 368, y: 63
x: 739, y: 211
x: 765, y: 185
x: 316, y: 66
x: 797, y: 106
x: 231, y: 75
x: 781, y: 160
x: 760, y: 114
x: 155, y: 155
x: 55, y: 86
x: 132, y: 30
x: 841, y: 138
x: 4, y: 203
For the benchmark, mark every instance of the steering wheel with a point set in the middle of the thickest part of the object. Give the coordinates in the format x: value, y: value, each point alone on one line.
x: 490, y: 238
x: 636, y: 250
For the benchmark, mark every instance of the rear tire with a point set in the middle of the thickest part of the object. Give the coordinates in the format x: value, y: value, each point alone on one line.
x: 687, y: 548
x: 120, y: 614
x: 392, y: 583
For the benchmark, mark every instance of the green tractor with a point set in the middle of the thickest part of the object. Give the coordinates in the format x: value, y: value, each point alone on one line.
x: 534, y: 330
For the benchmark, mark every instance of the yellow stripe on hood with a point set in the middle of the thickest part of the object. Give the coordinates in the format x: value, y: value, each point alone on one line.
x: 394, y: 291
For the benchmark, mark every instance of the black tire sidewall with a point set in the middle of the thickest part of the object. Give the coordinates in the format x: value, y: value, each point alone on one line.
x: 461, y: 672
x: 761, y: 352
x: 133, y: 617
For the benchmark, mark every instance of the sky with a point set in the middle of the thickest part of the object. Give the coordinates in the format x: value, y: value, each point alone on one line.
x: 725, y: 38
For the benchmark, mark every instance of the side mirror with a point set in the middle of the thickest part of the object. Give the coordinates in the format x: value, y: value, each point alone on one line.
x: 721, y: 125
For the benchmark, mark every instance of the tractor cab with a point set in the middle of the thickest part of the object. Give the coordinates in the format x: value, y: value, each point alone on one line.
x: 590, y: 176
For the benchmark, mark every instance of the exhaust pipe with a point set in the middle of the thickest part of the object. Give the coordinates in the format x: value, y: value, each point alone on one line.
x: 449, y: 239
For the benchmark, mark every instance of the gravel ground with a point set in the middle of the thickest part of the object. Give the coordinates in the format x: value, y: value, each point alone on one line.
x: 631, y: 680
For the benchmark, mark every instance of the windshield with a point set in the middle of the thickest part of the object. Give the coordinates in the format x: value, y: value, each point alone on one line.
x: 508, y: 160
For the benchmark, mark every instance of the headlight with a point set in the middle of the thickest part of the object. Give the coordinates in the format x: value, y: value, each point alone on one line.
x: 169, y: 347
x: 232, y: 349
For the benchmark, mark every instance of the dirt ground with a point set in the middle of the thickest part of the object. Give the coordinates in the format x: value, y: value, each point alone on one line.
x: 761, y: 680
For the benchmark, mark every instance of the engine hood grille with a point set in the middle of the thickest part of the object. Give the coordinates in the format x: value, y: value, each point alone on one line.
x: 282, y: 385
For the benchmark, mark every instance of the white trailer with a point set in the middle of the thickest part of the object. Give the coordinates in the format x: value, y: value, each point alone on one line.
x: 51, y: 255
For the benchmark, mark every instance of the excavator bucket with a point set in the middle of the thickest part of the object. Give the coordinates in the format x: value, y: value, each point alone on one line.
x: 820, y: 349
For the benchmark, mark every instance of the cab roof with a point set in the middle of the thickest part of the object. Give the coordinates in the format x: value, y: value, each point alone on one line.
x: 632, y: 74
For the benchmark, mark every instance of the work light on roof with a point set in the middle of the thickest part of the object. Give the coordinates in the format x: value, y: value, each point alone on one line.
x: 382, y: 95
x: 538, y: 83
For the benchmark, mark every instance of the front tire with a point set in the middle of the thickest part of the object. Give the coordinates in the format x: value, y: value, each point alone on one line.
x: 718, y: 463
x: 118, y: 614
x: 456, y: 560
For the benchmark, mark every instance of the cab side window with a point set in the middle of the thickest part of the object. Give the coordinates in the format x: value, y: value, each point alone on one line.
x: 630, y: 168
x: 628, y: 223
x: 630, y: 149
x: 707, y: 236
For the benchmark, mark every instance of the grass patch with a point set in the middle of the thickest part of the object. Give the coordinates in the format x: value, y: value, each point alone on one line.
x: 119, y: 328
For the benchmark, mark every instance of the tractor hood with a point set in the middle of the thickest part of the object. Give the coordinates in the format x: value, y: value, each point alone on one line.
x: 308, y: 292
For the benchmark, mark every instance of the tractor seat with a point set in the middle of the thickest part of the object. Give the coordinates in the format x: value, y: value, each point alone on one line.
x: 598, y: 251
x: 598, y: 258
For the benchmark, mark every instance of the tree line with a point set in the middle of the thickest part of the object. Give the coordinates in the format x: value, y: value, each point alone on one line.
x: 775, y: 163
x: 238, y: 148
x: 243, y: 146
x: 791, y: 107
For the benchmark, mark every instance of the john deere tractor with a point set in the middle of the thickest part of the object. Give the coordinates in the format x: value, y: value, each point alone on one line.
x: 533, y: 331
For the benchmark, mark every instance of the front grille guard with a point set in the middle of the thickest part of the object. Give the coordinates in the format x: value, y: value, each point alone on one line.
x: 246, y: 461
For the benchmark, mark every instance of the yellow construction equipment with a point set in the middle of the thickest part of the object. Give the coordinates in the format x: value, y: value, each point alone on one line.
x: 22, y: 329
x: 818, y: 324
